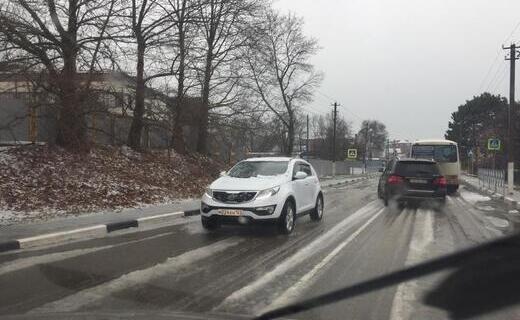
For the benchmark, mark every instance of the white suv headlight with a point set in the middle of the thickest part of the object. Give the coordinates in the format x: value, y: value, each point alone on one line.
x: 209, y: 192
x: 267, y: 193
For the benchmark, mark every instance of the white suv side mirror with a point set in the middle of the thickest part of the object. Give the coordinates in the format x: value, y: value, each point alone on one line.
x: 223, y: 173
x: 300, y: 175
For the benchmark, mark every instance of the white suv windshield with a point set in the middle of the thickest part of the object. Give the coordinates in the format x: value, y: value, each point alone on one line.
x: 247, y: 169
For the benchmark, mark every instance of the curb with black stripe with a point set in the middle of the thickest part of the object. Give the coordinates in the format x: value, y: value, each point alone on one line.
x: 17, y: 244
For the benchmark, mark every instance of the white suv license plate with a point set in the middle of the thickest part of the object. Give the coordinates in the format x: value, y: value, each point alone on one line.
x: 230, y: 212
x: 420, y: 181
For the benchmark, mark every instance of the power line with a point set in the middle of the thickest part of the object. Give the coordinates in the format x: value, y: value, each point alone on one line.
x: 323, y: 98
x: 352, y: 113
x: 491, y: 67
x: 360, y: 120
x: 313, y: 112
x: 502, y: 78
x: 314, y: 108
x: 325, y: 95
x: 513, y: 32
x: 495, y: 77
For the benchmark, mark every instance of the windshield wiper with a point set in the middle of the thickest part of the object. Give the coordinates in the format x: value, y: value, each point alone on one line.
x: 496, y: 294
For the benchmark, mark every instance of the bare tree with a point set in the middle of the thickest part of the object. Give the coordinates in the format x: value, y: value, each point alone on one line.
x: 281, y: 74
x: 222, y: 25
x: 372, y: 136
x: 58, y: 39
x: 149, y: 25
x: 184, y: 12
x: 321, y: 128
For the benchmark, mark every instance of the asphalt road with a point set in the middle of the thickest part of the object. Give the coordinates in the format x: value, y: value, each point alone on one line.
x: 181, y: 271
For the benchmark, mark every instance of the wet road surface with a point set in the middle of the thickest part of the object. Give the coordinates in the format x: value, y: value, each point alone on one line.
x: 248, y: 270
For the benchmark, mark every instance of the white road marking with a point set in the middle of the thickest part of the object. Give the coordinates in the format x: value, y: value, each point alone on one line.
x: 299, y: 287
x: 171, y: 265
x: 422, y: 236
x: 160, y: 217
x: 62, y: 236
x: 242, y: 295
x: 23, y: 263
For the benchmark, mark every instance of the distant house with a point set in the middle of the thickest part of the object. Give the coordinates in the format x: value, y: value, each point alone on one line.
x: 27, y: 113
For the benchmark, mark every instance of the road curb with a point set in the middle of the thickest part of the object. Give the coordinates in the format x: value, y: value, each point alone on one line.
x: 94, y: 231
x: 515, y: 204
x: 100, y: 230
x: 353, y: 180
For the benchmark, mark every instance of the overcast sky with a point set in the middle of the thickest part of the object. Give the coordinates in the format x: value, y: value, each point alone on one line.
x: 408, y: 63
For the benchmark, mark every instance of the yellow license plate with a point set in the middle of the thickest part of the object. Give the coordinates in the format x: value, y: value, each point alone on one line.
x: 230, y: 212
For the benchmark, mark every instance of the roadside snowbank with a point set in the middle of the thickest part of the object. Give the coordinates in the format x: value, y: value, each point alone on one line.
x: 38, y: 182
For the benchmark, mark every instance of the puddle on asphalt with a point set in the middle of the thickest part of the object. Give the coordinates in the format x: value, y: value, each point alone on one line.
x: 498, y: 215
x: 498, y: 222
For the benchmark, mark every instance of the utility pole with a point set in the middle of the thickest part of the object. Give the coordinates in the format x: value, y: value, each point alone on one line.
x: 334, y: 116
x: 513, y: 56
x: 365, y: 158
x: 387, y: 149
x: 307, y: 141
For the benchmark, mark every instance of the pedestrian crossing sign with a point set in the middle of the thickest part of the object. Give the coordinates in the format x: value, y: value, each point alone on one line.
x: 352, y: 153
x: 493, y: 144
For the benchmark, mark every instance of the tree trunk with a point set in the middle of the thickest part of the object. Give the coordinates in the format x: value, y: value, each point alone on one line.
x: 290, y: 134
x: 202, y: 143
x: 71, y: 125
x: 136, y: 128
x: 290, y: 139
x: 178, y: 136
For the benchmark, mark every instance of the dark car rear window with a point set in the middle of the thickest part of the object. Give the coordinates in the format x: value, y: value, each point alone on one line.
x: 416, y: 169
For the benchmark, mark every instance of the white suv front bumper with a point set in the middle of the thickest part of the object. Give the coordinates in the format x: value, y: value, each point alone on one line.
x: 210, y: 207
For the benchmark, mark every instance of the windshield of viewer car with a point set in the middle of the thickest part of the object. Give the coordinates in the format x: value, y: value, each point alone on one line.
x: 439, y: 153
x: 247, y: 169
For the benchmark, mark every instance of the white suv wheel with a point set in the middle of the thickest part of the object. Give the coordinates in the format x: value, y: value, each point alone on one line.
x: 317, y: 212
x: 287, y: 218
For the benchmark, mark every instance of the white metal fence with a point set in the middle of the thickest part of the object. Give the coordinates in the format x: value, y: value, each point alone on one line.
x: 492, y: 179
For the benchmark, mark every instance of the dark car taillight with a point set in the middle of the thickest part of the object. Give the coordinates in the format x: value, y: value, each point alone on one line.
x: 440, y: 181
x: 393, y: 179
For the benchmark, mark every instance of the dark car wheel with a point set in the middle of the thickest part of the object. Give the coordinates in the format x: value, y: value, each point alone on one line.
x: 209, y: 224
x: 385, y: 199
x: 451, y: 189
x: 317, y: 212
x: 287, y: 218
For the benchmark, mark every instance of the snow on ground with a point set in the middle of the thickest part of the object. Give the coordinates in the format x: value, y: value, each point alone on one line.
x: 497, y: 222
x: 6, y: 217
x: 12, y: 217
x: 486, y: 208
x: 473, y: 197
x: 40, y: 182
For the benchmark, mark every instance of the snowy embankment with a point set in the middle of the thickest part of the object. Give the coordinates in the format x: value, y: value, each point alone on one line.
x: 38, y: 182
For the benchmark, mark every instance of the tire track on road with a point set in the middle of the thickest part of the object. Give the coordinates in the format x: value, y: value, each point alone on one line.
x: 174, y: 264
x: 306, y: 281
x: 244, y: 298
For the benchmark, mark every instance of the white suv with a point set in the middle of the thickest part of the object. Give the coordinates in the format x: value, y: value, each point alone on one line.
x: 276, y: 189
